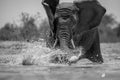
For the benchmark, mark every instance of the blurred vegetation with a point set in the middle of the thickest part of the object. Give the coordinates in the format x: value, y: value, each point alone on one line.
x: 30, y: 31
x: 117, y: 30
x: 26, y: 32
x: 108, y: 29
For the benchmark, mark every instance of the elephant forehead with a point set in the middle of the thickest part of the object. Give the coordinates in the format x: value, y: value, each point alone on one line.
x: 64, y: 9
x: 70, y: 6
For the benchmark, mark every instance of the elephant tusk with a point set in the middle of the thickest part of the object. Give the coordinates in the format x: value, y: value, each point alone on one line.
x: 55, y: 43
x: 73, y: 43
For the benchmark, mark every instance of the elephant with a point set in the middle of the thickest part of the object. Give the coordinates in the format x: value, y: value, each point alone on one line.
x: 74, y: 25
x: 61, y: 26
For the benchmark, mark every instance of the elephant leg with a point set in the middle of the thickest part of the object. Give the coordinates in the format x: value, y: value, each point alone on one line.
x: 94, y: 53
x: 85, y: 38
x: 89, y: 40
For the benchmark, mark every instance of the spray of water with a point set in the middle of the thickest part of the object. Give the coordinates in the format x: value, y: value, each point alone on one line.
x: 36, y: 53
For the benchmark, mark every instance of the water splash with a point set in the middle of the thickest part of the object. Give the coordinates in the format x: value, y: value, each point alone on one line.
x: 35, y: 53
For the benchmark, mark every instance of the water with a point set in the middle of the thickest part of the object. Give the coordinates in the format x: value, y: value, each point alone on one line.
x: 11, y: 67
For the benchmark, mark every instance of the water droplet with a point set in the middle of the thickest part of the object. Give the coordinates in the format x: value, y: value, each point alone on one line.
x: 103, y: 75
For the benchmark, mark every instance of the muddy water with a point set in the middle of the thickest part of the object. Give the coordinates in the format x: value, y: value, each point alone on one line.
x: 12, y: 69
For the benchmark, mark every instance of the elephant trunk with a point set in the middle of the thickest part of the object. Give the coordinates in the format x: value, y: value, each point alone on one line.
x: 64, y: 44
x: 64, y: 35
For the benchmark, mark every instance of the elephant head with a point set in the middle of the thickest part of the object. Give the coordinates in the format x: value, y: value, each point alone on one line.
x: 66, y: 19
x: 61, y: 25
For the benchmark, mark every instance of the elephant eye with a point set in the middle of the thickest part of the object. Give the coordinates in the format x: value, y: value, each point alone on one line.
x: 66, y: 17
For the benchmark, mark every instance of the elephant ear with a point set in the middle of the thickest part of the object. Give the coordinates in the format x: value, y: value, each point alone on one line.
x: 49, y: 14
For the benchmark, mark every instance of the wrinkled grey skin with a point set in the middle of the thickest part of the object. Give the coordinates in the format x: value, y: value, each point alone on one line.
x: 65, y: 22
x: 61, y: 32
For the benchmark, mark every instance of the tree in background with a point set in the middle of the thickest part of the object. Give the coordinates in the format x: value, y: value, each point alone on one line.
x: 117, y: 30
x: 9, y: 32
x: 44, y: 29
x: 107, y: 34
x: 29, y: 30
